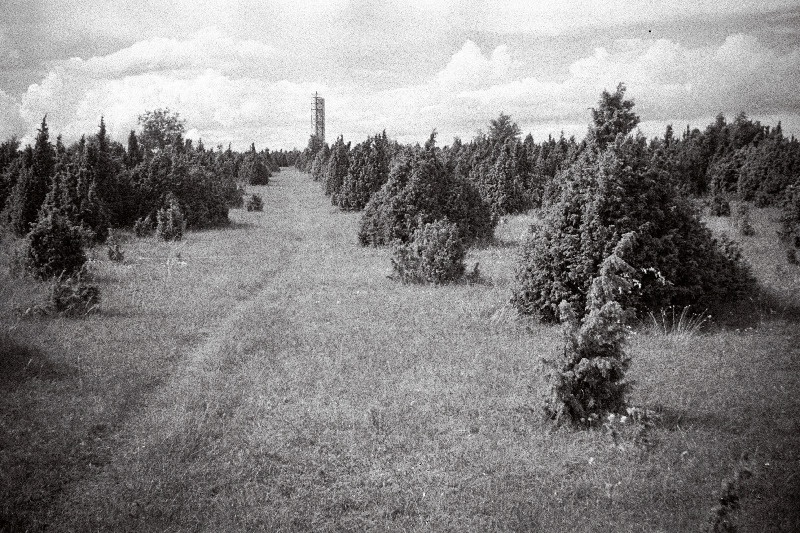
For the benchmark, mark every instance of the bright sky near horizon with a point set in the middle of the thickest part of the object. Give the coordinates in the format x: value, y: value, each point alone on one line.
x: 242, y: 71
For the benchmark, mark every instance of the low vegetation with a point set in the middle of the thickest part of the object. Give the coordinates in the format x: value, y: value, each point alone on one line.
x: 273, y: 375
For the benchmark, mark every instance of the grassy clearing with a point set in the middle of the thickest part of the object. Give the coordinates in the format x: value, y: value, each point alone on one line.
x: 271, y: 377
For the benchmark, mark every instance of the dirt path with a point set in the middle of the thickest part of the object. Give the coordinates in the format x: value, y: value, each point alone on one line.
x: 148, y: 475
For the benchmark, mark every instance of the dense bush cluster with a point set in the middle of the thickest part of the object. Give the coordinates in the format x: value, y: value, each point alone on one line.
x: 435, y: 254
x: 422, y: 189
x: 96, y: 183
x: 608, y: 192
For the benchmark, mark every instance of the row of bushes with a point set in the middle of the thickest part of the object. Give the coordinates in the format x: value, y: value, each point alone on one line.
x: 612, y: 195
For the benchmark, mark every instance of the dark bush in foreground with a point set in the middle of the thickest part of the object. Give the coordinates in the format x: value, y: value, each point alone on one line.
x: 255, y: 203
x: 434, y: 255
x: 588, y: 381
x: 53, y: 247
x: 422, y: 189
x: 608, y: 193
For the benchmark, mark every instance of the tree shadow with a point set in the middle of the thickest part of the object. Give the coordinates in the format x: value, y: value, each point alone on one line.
x: 20, y: 362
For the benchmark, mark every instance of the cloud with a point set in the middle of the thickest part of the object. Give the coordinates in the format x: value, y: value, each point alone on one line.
x: 205, y: 49
x: 224, y: 88
x: 11, y: 122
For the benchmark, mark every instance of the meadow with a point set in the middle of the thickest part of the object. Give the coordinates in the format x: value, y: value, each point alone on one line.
x: 270, y: 376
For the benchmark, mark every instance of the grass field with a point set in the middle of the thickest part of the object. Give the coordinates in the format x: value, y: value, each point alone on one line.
x: 270, y: 377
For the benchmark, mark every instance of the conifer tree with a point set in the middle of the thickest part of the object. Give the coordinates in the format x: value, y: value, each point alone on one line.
x: 32, y: 185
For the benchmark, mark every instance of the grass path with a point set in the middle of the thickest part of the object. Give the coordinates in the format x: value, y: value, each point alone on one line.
x: 269, y: 377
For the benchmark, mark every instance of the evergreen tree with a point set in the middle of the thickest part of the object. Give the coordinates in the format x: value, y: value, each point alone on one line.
x: 421, y: 189
x: 605, y: 194
x: 338, y: 165
x: 613, y: 116
x: 32, y: 184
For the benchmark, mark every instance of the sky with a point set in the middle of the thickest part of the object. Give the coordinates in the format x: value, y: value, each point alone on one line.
x: 244, y: 71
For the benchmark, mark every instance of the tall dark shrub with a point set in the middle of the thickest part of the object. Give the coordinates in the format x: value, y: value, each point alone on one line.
x: 336, y: 170
x: 367, y: 172
x: 422, y: 189
x: 608, y: 193
x: 54, y: 247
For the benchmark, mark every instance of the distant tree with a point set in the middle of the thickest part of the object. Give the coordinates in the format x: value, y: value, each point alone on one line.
x: 368, y: 171
x: 502, y: 129
x: 32, y: 185
x: 338, y: 165
x: 421, y: 188
x: 613, y: 116
x: 160, y: 128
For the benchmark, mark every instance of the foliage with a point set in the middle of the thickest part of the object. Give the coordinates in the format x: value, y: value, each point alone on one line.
x: 422, y: 189
x: 70, y: 296
x: 336, y: 169
x: 171, y: 223
x: 54, y: 247
x: 613, y: 116
x: 741, y: 220
x: 720, y: 206
x: 32, y: 184
x: 255, y: 203
x: 435, y: 254
x: 160, y: 128
x: 255, y: 168
x: 367, y: 172
x: 789, y: 231
x: 144, y: 227
x: 320, y: 163
x: 588, y: 381
x: 114, y: 248
x: 607, y: 194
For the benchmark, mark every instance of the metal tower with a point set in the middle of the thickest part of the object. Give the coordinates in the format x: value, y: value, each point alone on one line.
x: 318, y: 117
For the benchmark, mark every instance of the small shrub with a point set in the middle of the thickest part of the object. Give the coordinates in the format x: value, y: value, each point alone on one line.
x: 588, y: 381
x: 434, y: 255
x: 70, y: 296
x: 720, y: 206
x: 144, y: 227
x: 791, y: 256
x: 53, y: 247
x: 742, y: 221
x: 255, y: 203
x: 171, y: 224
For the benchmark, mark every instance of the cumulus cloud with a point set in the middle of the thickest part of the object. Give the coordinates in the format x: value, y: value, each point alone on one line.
x: 221, y: 86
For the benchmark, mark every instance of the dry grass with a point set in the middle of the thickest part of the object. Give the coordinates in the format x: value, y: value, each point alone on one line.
x: 270, y: 377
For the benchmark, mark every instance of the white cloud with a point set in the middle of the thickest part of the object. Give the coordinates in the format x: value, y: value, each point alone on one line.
x: 221, y: 86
